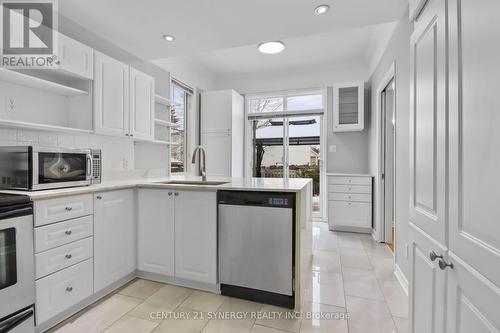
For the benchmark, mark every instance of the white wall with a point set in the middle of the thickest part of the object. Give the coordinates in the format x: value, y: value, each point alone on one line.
x: 398, y: 52
x: 352, y: 148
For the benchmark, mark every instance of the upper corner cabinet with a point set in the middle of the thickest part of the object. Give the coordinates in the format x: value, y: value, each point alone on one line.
x: 348, y: 107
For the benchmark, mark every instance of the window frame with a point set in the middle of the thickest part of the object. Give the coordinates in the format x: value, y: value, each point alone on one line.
x: 188, y: 104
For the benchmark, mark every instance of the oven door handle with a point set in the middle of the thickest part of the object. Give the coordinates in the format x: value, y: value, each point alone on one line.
x: 15, y: 213
x: 11, y: 323
x: 90, y: 162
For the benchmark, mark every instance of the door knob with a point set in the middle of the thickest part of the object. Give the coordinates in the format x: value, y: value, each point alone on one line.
x: 68, y: 256
x: 68, y: 232
x: 443, y: 264
x: 434, y: 255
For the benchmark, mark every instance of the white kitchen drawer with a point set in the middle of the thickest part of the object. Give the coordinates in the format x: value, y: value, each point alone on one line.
x: 64, y: 256
x: 350, y: 189
x: 57, y: 234
x: 349, y: 214
x: 65, y: 208
x: 59, y: 291
x: 340, y: 180
x: 350, y: 197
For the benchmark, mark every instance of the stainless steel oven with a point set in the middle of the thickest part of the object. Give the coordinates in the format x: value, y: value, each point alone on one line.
x: 35, y: 168
x: 17, y: 277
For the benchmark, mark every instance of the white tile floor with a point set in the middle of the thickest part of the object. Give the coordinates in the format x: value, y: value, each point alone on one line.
x: 350, y: 273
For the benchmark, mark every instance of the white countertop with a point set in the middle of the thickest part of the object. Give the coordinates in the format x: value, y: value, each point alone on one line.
x: 234, y: 184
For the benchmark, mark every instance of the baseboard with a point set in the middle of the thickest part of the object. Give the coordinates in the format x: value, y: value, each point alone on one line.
x: 350, y: 229
x: 403, y: 281
x: 214, y: 288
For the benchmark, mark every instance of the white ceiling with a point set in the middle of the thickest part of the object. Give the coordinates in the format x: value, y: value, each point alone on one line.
x: 358, y: 45
x: 204, y: 25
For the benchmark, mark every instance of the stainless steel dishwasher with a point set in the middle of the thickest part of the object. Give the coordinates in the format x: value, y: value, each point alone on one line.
x: 256, y: 246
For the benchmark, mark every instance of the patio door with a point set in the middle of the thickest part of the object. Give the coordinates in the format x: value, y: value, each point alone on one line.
x: 290, y: 147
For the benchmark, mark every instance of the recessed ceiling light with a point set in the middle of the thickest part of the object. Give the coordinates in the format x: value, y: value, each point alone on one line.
x: 168, y: 38
x: 271, y: 47
x: 321, y: 9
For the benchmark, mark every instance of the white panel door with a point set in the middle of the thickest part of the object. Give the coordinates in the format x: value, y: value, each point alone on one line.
x: 76, y: 58
x: 155, y: 237
x: 196, y: 236
x: 218, y: 148
x: 428, y: 121
x: 142, y: 95
x: 473, y: 301
x: 427, y: 284
x: 111, y: 96
x: 474, y: 231
x: 114, y: 236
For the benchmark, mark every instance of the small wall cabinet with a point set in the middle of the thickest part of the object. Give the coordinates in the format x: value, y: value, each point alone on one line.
x: 348, y: 107
x: 76, y: 59
x: 123, y: 99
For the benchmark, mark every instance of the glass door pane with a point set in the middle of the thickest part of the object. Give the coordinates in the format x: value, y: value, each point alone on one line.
x: 8, y: 259
x: 269, y: 148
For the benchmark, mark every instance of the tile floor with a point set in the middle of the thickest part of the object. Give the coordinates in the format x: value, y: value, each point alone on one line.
x: 350, y: 273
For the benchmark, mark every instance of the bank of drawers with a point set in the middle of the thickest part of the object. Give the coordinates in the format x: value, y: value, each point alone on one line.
x: 64, y: 230
x: 350, y: 203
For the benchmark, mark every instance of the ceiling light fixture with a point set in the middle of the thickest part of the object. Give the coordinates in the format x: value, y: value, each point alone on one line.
x: 321, y: 9
x: 168, y: 38
x: 271, y: 47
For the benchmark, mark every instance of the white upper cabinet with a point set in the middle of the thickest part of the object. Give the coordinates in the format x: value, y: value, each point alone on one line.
x: 196, y: 236
x: 76, y: 59
x: 474, y: 140
x: 111, y: 96
x: 114, y: 237
x: 428, y: 122
x: 123, y: 99
x: 155, y: 239
x: 142, y: 95
x: 348, y: 107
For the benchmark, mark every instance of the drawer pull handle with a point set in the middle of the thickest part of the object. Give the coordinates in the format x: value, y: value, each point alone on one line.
x: 434, y: 255
x: 68, y: 232
x: 170, y: 193
x: 176, y: 194
x: 69, y: 289
x: 443, y: 264
x: 98, y: 197
x: 69, y: 209
x: 68, y: 256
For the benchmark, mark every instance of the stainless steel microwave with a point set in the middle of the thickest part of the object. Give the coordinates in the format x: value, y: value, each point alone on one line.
x: 34, y: 168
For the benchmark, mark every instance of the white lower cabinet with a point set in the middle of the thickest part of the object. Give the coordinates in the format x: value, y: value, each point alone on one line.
x: 114, y: 236
x: 155, y: 238
x: 196, y: 236
x: 59, y: 291
x: 178, y: 234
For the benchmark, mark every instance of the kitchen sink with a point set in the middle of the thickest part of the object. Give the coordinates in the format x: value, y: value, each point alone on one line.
x: 193, y: 182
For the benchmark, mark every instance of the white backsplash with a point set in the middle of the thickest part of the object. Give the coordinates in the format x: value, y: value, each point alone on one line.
x: 117, y: 153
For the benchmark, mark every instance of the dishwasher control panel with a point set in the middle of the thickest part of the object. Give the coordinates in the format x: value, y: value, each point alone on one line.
x: 254, y: 198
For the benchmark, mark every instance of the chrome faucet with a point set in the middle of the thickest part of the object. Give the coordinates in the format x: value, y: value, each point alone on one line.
x: 203, y: 162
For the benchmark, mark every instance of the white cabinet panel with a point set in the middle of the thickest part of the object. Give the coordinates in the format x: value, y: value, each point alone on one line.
x: 218, y: 148
x: 59, y: 291
x: 473, y: 301
x: 428, y: 122
x: 216, y: 111
x: 156, y: 231
x: 350, y: 214
x: 64, y: 208
x: 427, y: 284
x: 114, y: 236
x: 474, y: 231
x: 142, y: 95
x: 57, y: 234
x: 196, y: 236
x: 76, y: 58
x: 111, y: 96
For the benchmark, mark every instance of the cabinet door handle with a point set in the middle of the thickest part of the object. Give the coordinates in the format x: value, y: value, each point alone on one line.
x: 170, y: 193
x: 443, y: 264
x: 68, y: 232
x: 176, y: 194
x: 131, y: 135
x: 68, y: 256
x: 433, y: 255
x: 126, y: 134
x: 69, y: 289
x: 69, y: 209
x: 98, y: 197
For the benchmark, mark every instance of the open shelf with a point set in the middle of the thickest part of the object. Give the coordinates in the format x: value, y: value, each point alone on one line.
x: 42, y: 127
x: 38, y: 83
x: 161, y: 142
x: 164, y: 123
x: 164, y: 101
